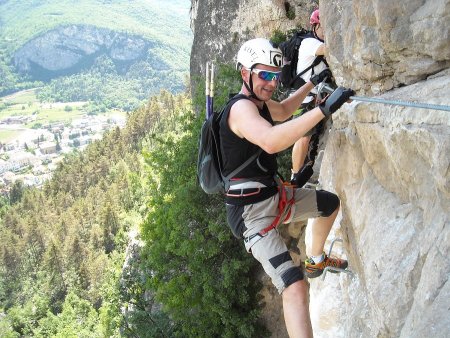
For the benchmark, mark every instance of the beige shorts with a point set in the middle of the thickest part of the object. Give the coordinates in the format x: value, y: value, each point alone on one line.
x: 270, y: 250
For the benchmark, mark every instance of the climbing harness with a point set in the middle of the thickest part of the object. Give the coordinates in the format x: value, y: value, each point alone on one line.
x: 332, y: 268
x: 286, y: 209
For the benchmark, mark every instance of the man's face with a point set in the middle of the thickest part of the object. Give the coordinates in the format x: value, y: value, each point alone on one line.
x: 263, y: 88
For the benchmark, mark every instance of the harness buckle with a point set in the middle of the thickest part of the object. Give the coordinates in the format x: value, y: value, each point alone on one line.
x: 252, y: 239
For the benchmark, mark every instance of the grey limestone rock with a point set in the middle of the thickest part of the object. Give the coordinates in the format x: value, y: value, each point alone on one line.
x: 388, y: 164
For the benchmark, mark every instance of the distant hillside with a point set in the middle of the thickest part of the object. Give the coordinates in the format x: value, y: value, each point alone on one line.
x: 44, y: 40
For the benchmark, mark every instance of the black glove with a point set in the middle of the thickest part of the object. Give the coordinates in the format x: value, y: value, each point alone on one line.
x: 318, y: 78
x: 335, y: 100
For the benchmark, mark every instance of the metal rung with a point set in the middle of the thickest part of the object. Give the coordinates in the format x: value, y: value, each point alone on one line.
x: 334, y: 269
x: 332, y: 243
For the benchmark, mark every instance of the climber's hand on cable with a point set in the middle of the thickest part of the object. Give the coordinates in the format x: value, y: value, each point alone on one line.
x: 336, y: 100
x: 323, y: 75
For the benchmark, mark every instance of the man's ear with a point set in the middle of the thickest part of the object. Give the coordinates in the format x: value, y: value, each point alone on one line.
x: 245, y: 74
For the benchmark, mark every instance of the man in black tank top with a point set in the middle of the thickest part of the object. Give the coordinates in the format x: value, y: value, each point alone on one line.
x: 253, y: 198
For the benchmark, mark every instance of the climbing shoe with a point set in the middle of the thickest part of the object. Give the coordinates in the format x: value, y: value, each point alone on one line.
x: 315, y: 270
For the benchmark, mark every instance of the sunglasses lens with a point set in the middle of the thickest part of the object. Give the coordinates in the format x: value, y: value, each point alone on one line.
x: 268, y: 76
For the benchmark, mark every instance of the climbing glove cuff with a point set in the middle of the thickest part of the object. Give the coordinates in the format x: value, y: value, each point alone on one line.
x: 336, y: 100
x: 318, y: 78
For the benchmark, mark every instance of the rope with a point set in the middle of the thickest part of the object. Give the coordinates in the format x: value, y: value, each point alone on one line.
x: 401, y: 103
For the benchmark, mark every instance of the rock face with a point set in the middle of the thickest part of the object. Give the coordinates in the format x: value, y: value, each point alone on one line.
x: 390, y: 165
x: 375, y: 46
x: 220, y: 27
x: 66, y: 50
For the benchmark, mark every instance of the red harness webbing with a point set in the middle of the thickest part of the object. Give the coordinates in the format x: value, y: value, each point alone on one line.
x: 284, y: 208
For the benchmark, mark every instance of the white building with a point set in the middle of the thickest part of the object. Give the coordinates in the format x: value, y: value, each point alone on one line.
x: 18, y: 161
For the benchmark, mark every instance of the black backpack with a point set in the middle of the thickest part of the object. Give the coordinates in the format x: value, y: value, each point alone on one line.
x: 209, y: 163
x: 289, y: 77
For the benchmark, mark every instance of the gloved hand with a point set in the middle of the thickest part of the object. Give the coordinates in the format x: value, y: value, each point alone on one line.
x: 336, y: 100
x: 318, y: 78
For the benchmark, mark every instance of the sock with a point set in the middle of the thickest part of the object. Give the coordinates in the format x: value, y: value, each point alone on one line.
x: 318, y: 259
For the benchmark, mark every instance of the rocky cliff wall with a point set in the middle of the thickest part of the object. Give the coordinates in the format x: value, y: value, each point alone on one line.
x: 390, y: 165
x: 220, y: 27
x: 375, y: 46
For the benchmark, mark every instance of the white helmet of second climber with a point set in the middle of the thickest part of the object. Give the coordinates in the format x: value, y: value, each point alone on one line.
x: 258, y: 51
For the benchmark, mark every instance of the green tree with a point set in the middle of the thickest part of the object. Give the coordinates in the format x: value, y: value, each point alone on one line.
x: 16, y: 192
x: 54, y: 270
x: 110, y: 225
x: 192, y: 278
x: 6, y: 328
x: 24, y: 319
x: 4, y: 206
x: 200, y: 272
x: 78, y: 319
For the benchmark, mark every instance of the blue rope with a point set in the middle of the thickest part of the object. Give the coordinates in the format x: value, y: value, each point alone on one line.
x: 401, y: 103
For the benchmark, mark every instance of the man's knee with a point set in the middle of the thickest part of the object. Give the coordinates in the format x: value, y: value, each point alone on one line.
x: 327, y: 202
x: 297, y: 291
x: 292, y: 275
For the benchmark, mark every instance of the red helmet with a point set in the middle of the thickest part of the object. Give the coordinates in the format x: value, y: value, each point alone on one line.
x: 314, y: 20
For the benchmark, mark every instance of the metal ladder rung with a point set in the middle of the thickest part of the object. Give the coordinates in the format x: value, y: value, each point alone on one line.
x: 334, y: 269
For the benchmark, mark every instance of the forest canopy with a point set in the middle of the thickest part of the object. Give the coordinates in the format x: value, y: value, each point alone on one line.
x: 123, y: 242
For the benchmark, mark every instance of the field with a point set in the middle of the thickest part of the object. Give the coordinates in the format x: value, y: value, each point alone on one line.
x: 25, y: 105
x: 7, y: 136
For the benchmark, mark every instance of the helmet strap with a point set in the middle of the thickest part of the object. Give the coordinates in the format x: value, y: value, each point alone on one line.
x: 249, y: 86
x: 315, y: 34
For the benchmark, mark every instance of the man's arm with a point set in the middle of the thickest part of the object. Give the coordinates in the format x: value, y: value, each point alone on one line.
x: 283, y: 110
x: 245, y: 121
x: 321, y: 49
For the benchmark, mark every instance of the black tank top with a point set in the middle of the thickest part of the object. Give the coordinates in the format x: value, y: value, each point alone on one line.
x: 236, y: 150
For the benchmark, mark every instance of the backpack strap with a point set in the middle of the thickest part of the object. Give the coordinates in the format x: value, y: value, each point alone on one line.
x: 227, y: 179
x: 316, y: 61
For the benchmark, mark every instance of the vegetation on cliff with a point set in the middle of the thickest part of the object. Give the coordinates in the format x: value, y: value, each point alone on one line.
x: 64, y: 265
x: 63, y: 246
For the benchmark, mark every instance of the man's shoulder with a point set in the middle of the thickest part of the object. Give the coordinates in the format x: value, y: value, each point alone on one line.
x: 234, y: 101
x: 243, y: 103
x: 312, y: 41
x: 241, y: 114
x: 243, y: 110
x: 309, y: 46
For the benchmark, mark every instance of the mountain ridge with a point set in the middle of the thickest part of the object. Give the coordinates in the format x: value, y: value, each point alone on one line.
x: 25, y: 23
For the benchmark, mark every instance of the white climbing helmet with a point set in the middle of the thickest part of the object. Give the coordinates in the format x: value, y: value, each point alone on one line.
x: 257, y: 51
